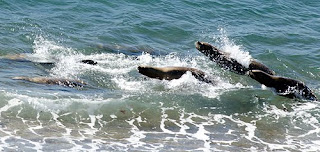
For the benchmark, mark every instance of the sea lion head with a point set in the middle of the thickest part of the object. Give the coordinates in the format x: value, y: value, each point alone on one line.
x: 202, y: 46
x: 308, y: 94
x: 20, y: 78
x: 209, y: 50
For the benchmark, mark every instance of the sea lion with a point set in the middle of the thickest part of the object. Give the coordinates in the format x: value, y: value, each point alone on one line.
x: 223, y: 59
x: 15, y: 57
x: 91, y: 62
x: 283, y: 86
x: 53, y: 81
x: 25, y: 58
x: 169, y: 73
x: 50, y: 65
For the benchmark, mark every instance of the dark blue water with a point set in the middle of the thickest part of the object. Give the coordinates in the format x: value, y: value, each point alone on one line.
x: 121, y: 110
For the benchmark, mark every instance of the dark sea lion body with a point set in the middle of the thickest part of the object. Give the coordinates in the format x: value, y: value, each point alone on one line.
x: 221, y: 58
x: 283, y: 86
x: 169, y: 73
x: 53, y: 81
x: 51, y: 64
x: 224, y: 61
x: 24, y: 58
x: 91, y: 62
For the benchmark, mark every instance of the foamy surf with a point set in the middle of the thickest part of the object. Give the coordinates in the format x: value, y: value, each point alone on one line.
x: 122, y: 110
x: 126, y: 111
x: 121, y: 69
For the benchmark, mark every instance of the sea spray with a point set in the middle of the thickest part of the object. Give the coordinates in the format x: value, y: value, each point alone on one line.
x: 236, y: 51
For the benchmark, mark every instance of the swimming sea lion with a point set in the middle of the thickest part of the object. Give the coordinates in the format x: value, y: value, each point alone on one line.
x: 53, y: 81
x: 169, y: 73
x: 91, y: 62
x: 24, y: 58
x: 51, y: 64
x: 223, y: 60
x: 15, y: 57
x: 283, y: 86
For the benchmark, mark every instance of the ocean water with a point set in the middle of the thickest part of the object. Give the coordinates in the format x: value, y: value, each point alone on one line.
x: 121, y: 110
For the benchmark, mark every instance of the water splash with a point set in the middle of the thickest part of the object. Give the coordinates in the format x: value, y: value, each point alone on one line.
x: 227, y: 45
x: 45, y: 50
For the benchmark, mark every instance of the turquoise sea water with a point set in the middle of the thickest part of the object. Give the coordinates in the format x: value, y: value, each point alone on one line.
x: 121, y: 110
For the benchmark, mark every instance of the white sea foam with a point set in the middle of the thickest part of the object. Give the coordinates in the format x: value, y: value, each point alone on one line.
x: 119, y: 67
x: 93, y: 121
x: 11, y: 103
x: 235, y: 51
x: 45, y: 50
